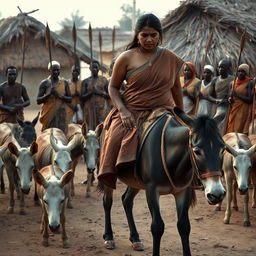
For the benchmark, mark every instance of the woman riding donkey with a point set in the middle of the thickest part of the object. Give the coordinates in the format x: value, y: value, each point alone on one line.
x: 153, y: 81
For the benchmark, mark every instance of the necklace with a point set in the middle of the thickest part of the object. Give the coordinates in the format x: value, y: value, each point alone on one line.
x: 149, y: 58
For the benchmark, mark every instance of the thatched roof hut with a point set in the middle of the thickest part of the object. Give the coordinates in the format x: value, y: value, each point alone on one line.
x: 188, y: 27
x: 37, y: 56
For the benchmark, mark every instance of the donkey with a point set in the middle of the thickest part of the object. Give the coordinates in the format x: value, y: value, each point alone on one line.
x: 237, y: 163
x: 24, y: 132
x: 53, y: 193
x: 252, y: 138
x: 53, y: 148
x: 91, y: 152
x: 171, y: 156
x: 19, y: 165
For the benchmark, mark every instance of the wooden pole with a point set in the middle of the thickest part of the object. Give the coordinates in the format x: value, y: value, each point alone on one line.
x: 100, y: 45
x: 48, y: 45
x: 113, y: 41
x: 92, y: 113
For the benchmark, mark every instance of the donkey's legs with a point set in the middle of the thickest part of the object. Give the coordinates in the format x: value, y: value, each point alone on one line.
x: 107, y: 204
x: 127, y: 200
x: 157, y: 225
x: 182, y: 205
x: 2, y: 182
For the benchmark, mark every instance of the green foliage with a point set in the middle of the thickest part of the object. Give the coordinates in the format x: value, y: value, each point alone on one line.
x: 75, y: 17
x: 125, y: 23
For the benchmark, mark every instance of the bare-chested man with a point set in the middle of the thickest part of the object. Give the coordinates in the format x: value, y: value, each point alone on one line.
x: 53, y: 94
x: 95, y: 97
x: 13, y: 97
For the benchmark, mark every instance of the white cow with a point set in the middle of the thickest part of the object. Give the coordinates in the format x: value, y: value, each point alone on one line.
x: 53, y: 194
x: 237, y: 162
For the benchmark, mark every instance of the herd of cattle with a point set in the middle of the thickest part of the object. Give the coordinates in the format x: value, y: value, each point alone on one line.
x: 51, y: 158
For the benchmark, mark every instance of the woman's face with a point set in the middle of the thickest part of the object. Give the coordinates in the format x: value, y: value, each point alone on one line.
x: 187, y: 72
x: 148, y: 38
x: 207, y: 75
x: 241, y: 74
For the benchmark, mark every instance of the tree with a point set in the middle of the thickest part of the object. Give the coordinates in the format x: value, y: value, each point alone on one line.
x: 125, y: 23
x: 75, y: 17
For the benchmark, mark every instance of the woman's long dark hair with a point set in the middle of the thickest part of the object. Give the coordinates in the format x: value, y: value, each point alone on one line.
x: 146, y: 20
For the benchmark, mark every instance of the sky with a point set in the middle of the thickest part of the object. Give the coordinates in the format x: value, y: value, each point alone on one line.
x: 101, y: 13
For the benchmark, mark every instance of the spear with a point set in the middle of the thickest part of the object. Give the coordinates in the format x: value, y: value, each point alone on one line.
x: 242, y: 45
x: 100, y: 44
x: 92, y: 113
x: 23, y: 55
x: 113, y: 41
x: 48, y: 44
x: 207, y: 46
x: 74, y: 36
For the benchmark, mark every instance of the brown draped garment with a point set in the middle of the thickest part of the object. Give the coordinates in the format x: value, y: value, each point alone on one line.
x: 51, y: 107
x: 240, y: 114
x: 148, y: 87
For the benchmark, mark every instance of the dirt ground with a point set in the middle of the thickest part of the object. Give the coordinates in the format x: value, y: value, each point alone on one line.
x: 20, y: 234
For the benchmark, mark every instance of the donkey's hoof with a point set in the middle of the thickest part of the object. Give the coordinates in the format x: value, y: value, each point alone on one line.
x: 235, y: 208
x: 22, y: 212
x: 10, y: 210
x: 45, y: 243
x: 65, y: 244
x: 247, y: 223
x: 109, y: 244
x: 137, y: 246
x: 69, y: 205
x: 217, y: 208
x: 226, y: 221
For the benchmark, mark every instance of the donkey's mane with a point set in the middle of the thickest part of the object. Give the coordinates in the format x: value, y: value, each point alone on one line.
x: 205, y: 125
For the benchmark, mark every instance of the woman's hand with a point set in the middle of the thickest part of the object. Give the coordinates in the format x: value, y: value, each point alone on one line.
x: 127, y: 119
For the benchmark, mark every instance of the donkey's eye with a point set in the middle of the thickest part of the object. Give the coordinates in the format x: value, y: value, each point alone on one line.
x: 45, y: 202
x: 197, y: 151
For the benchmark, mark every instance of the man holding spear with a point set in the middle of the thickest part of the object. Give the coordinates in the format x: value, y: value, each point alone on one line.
x: 53, y: 94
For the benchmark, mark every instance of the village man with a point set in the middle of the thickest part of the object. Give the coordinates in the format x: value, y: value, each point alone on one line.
x: 13, y: 97
x: 95, y: 97
x: 53, y: 94
x: 74, y: 109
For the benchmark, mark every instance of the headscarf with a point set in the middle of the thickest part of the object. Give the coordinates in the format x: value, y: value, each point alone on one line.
x: 210, y: 67
x: 54, y: 63
x: 244, y: 67
x: 193, y: 71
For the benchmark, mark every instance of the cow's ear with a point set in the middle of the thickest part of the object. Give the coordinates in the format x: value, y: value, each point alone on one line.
x: 39, y: 178
x: 230, y: 150
x: 13, y: 149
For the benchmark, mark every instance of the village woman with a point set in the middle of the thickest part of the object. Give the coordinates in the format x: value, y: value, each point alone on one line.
x: 206, y: 89
x: 189, y: 83
x: 150, y: 85
x: 240, y: 113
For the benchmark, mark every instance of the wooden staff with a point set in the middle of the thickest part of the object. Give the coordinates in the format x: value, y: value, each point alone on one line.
x: 92, y: 113
x: 48, y: 45
x: 100, y: 45
x: 113, y: 41
x: 253, y: 105
x: 242, y: 45
x: 23, y: 54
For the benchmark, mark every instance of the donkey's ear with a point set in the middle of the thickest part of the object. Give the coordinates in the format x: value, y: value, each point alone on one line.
x: 182, y: 116
x: 84, y: 128
x: 39, y: 178
x: 99, y: 129
x: 20, y: 122
x: 33, y: 148
x: 13, y: 149
x: 34, y: 122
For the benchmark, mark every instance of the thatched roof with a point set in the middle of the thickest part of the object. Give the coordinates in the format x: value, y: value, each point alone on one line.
x: 187, y: 29
x: 37, y: 56
x: 122, y: 38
